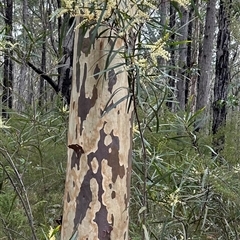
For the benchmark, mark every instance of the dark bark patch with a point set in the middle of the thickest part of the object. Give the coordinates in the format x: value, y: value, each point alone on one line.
x: 75, y: 160
x: 112, y: 79
x: 68, y: 197
x: 85, y: 104
x: 83, y: 199
x: 111, y: 154
x: 113, y: 160
x: 113, y: 195
x: 103, y: 225
x: 78, y: 75
x: 112, y: 218
x: 77, y: 148
x: 96, y: 72
x: 76, y: 131
x: 86, y: 46
x: 101, y: 45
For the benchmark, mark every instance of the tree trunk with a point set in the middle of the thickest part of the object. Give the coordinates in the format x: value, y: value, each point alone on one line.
x: 222, y: 75
x: 172, y: 72
x: 97, y: 185
x: 21, y: 85
x: 206, y: 58
x: 193, y: 61
x: 7, y: 62
x: 66, y: 53
x: 181, y: 83
x: 42, y: 96
x: 189, y: 60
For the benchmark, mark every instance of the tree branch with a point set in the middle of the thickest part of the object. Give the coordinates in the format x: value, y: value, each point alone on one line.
x: 44, y: 76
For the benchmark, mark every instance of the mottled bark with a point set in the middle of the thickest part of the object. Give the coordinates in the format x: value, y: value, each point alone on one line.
x: 205, y: 64
x: 222, y: 75
x: 181, y: 77
x: 97, y: 185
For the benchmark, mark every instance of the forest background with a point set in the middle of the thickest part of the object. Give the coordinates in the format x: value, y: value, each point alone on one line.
x: 185, y: 177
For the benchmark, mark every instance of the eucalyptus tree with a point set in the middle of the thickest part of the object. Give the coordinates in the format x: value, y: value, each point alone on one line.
x: 182, y: 61
x: 97, y: 186
x: 7, y: 62
x: 222, y: 74
x: 206, y: 57
x: 106, y: 71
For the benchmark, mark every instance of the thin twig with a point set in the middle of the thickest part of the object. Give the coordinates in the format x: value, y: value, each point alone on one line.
x: 25, y: 203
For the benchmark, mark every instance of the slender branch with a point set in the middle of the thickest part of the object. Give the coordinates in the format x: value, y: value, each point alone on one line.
x: 44, y: 76
x: 25, y: 203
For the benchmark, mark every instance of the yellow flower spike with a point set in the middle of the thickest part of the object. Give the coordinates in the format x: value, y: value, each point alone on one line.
x: 51, y: 234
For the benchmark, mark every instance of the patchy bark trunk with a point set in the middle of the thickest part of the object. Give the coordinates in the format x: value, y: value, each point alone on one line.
x: 206, y: 58
x: 97, y: 185
x: 222, y: 75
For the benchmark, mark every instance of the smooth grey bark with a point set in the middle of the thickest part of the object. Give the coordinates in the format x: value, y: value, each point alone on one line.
x: 205, y: 62
x: 222, y: 75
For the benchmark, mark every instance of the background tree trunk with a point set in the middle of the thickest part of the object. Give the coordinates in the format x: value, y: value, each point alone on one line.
x: 206, y: 58
x: 66, y: 56
x: 222, y: 75
x: 181, y: 83
x: 97, y: 185
x: 172, y: 72
x: 7, y: 62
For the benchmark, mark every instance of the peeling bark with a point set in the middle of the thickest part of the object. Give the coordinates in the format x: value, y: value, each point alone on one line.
x: 97, y: 185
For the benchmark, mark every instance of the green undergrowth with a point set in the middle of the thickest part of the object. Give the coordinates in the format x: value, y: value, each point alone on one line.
x: 32, y: 172
x: 190, y: 193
